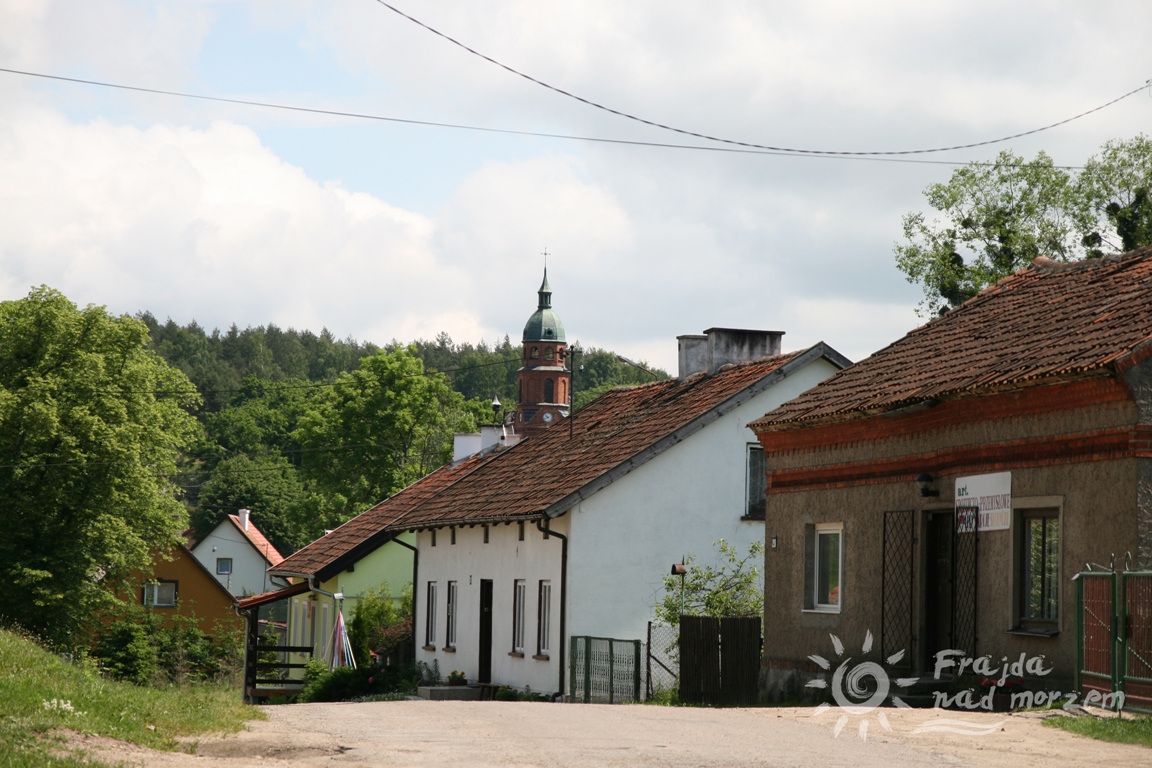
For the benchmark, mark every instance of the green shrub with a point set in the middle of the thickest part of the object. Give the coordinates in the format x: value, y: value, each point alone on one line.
x: 127, y: 653
x: 507, y: 694
x: 140, y: 650
x: 346, y: 684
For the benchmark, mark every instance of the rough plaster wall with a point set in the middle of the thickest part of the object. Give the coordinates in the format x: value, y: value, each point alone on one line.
x: 1095, y: 498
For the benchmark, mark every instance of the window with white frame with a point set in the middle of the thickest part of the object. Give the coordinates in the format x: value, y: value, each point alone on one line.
x: 430, y: 617
x: 824, y: 567
x: 160, y: 594
x: 1038, y: 567
x: 518, y: 608
x: 543, y: 618
x: 755, y: 503
x: 450, y: 626
x: 224, y: 566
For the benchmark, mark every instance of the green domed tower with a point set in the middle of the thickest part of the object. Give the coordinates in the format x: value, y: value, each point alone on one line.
x: 544, y: 380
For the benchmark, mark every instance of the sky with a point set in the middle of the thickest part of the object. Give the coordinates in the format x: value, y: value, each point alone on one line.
x: 383, y: 230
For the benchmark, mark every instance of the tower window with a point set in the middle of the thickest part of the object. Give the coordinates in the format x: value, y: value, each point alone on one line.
x: 535, y: 352
x: 549, y: 388
x: 548, y: 354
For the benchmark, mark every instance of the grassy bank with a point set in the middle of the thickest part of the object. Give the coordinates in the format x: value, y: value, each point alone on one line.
x: 1133, y: 729
x: 40, y: 693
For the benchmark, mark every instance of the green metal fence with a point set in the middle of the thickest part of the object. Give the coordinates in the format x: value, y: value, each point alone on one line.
x: 605, y: 670
x: 1114, y: 638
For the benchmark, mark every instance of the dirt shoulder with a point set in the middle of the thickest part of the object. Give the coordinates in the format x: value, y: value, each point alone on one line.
x: 425, y: 733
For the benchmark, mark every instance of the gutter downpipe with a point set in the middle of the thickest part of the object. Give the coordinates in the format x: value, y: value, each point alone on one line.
x: 415, y: 588
x: 544, y: 527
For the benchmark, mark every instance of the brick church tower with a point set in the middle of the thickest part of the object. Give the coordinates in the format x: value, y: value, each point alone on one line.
x: 545, y: 382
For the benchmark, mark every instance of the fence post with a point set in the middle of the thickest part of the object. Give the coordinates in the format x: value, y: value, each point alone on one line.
x: 587, y: 669
x: 611, y: 671
x: 636, y: 666
x: 648, y: 666
x: 1080, y: 635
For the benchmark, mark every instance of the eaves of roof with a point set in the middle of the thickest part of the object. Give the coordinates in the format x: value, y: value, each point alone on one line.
x: 1047, y: 323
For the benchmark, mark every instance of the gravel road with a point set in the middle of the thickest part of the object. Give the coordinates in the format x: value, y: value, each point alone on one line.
x: 466, y: 734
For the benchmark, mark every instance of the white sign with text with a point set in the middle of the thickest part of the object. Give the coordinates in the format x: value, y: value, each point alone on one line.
x: 992, y: 495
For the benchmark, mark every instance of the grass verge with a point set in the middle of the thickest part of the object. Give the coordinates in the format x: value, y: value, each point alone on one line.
x: 1133, y: 729
x: 40, y: 693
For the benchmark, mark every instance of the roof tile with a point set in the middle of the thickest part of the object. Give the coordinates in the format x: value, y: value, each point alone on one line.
x: 1046, y: 321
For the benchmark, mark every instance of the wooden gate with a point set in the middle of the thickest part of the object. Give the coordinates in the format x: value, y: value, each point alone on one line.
x: 720, y: 660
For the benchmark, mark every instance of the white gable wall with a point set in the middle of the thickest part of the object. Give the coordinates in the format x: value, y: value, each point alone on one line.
x: 626, y: 537
x: 503, y: 560
x: 248, y: 565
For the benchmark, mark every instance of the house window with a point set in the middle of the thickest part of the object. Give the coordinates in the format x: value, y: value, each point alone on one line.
x: 543, y: 618
x: 518, y: 608
x: 452, y: 533
x: 521, y: 524
x: 433, y: 537
x: 430, y: 617
x: 450, y: 626
x: 824, y: 567
x: 756, y: 503
x: 160, y: 594
x: 224, y: 566
x: 1038, y: 571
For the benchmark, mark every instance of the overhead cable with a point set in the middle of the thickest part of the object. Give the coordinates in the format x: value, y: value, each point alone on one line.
x: 751, y: 145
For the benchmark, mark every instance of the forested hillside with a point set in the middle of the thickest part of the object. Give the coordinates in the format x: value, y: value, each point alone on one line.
x: 308, y: 430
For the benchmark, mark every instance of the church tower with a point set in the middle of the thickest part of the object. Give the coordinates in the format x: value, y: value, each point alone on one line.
x: 544, y: 380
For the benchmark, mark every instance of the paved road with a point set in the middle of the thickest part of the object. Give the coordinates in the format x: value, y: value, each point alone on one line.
x: 466, y: 734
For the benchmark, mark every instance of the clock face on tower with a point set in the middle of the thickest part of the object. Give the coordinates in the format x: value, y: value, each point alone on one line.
x: 547, y: 418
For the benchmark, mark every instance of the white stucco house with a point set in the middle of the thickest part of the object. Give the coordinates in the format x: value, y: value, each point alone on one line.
x: 556, y: 526
x: 239, y: 555
x: 571, y: 531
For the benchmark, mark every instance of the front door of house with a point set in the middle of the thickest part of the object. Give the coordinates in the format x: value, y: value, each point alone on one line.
x: 938, y: 585
x: 484, y: 673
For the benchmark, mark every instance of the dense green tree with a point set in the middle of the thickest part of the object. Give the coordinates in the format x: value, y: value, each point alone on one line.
x: 380, y: 428
x: 270, y: 487
x: 994, y: 218
x: 91, y: 423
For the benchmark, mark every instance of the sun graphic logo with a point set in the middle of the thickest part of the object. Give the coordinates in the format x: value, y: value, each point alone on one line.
x: 859, y: 689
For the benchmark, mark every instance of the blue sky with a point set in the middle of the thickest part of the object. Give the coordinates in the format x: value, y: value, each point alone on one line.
x: 378, y: 230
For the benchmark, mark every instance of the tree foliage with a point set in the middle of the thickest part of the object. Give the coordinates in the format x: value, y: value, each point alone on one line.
x: 380, y: 428
x: 91, y: 422
x: 286, y: 513
x: 994, y: 218
x: 733, y: 587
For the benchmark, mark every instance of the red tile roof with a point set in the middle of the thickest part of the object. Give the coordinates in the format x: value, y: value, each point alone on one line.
x: 1046, y: 322
x: 549, y: 472
x: 257, y: 539
x: 367, y: 526
x: 271, y: 596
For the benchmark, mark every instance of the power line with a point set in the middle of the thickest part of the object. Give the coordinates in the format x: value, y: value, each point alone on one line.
x: 747, y: 144
x: 513, y: 132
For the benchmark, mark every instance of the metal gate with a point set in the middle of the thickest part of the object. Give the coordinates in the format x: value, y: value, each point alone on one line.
x: 1114, y: 638
x: 897, y: 588
x: 662, y: 660
x: 964, y: 562
x: 720, y: 660
x: 605, y: 670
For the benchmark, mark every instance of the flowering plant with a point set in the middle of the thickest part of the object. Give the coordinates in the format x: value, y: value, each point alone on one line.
x: 1007, y: 682
x: 457, y: 678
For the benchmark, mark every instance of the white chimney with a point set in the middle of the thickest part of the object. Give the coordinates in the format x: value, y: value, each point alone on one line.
x: 244, y: 513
